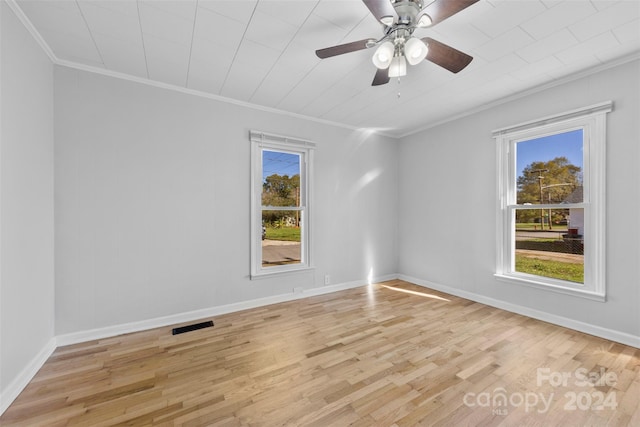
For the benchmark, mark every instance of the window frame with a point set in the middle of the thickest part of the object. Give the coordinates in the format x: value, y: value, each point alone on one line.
x: 261, y: 141
x: 592, y: 121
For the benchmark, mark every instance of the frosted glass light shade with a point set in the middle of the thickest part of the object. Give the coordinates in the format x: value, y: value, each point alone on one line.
x: 383, y: 55
x: 387, y: 20
x: 398, y: 67
x: 424, y: 21
x: 415, y: 50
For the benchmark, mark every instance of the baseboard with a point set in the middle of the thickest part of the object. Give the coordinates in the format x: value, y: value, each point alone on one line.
x: 15, y: 388
x: 112, y: 331
x: 587, y: 328
x: 12, y: 391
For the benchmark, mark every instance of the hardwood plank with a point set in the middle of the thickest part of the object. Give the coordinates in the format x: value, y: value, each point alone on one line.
x: 386, y: 354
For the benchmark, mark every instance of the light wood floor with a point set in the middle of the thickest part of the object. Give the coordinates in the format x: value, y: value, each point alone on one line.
x: 387, y: 354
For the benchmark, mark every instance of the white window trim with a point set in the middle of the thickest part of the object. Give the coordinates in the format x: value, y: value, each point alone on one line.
x: 260, y: 141
x: 592, y: 120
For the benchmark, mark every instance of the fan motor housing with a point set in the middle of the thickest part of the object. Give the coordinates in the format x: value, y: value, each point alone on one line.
x: 407, y: 11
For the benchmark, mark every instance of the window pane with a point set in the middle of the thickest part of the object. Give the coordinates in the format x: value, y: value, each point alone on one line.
x: 549, y: 169
x: 281, y: 243
x: 554, y: 249
x: 280, y: 178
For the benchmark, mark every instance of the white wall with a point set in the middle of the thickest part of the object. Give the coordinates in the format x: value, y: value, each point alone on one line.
x: 26, y: 198
x: 448, y: 199
x: 152, y: 202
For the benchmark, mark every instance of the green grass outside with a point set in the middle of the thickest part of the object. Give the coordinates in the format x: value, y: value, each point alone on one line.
x: 536, y: 226
x: 291, y: 234
x: 553, y: 269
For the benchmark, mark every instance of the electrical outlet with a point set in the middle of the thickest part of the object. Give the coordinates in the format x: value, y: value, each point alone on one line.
x: 327, y: 279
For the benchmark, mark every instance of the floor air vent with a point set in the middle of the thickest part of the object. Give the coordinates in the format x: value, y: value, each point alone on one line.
x: 189, y: 328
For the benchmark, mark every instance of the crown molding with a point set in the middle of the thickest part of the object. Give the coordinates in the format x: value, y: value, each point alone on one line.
x: 194, y: 92
x: 519, y: 95
x: 29, y: 26
x: 167, y: 86
x: 123, y: 76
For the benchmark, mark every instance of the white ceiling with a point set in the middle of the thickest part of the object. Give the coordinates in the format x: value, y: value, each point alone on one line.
x: 262, y: 52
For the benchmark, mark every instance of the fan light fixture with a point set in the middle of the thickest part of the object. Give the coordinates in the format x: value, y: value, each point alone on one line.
x: 387, y: 56
x: 383, y: 56
x: 387, y: 20
x: 415, y: 50
x: 397, y: 47
x: 424, y: 21
x: 398, y: 67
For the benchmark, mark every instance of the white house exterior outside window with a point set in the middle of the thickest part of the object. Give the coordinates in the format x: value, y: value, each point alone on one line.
x: 281, y: 171
x: 551, y: 202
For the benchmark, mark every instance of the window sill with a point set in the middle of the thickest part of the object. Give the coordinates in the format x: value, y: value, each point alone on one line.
x: 531, y: 282
x: 279, y: 272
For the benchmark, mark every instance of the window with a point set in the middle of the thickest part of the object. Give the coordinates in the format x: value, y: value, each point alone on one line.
x: 280, y: 195
x: 551, y: 202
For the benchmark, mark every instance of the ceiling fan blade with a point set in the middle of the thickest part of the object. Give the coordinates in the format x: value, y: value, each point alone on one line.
x: 341, y: 49
x: 382, y: 9
x: 446, y: 56
x: 440, y: 10
x: 381, y: 78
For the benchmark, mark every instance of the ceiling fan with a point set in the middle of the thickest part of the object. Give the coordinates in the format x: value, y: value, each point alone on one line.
x: 400, y: 18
